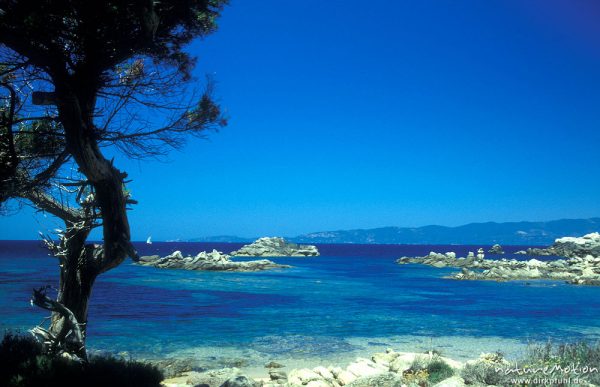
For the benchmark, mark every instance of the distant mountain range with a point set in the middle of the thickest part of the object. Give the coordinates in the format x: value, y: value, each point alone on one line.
x: 510, y: 233
x: 223, y: 238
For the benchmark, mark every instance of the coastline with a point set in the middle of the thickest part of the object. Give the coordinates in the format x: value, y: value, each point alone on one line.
x: 251, y: 362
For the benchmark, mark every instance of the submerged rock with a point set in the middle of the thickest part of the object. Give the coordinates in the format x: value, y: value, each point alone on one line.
x: 175, y: 367
x: 212, y: 261
x: 275, y: 247
x: 274, y: 364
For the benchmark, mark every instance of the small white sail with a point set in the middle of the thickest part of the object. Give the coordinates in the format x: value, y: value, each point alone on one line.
x: 149, y: 240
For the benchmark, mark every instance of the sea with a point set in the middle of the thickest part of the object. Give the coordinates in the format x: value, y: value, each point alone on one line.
x: 353, y: 300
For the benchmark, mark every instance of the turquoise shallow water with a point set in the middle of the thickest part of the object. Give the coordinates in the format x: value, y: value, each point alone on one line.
x: 350, y: 298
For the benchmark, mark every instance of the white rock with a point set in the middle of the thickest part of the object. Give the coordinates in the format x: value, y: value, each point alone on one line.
x: 303, y: 376
x: 402, y: 362
x: 335, y: 370
x: 318, y: 383
x: 175, y: 255
x: 588, y: 272
x: 324, y: 372
x: 385, y: 358
x: 364, y: 367
x: 454, y: 381
x: 346, y: 377
x: 535, y: 263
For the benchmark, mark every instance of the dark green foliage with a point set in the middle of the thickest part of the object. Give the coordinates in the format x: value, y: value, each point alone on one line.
x: 482, y: 373
x: 577, y: 353
x: 434, y: 369
x: 24, y: 365
x: 70, y: 31
x: 580, y: 354
x: 438, y: 370
x: 542, y: 362
x: 39, y: 139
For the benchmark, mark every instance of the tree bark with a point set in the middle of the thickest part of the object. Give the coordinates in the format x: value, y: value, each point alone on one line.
x: 76, y: 115
x: 77, y: 277
x: 80, y: 264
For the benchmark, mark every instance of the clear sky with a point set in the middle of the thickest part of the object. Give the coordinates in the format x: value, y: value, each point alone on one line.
x: 348, y: 114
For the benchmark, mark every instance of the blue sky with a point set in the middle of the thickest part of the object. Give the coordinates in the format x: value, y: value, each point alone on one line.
x: 347, y: 114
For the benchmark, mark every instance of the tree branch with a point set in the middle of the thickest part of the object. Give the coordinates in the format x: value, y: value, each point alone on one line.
x: 47, y: 203
x: 73, y: 330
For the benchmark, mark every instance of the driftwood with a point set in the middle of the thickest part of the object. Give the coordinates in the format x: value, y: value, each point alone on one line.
x: 70, y: 340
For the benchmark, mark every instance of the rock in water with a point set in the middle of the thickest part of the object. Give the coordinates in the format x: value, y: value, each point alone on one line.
x: 273, y: 364
x: 496, y: 249
x: 275, y: 247
x: 571, y: 247
x: 576, y: 270
x: 578, y: 247
x: 213, y: 261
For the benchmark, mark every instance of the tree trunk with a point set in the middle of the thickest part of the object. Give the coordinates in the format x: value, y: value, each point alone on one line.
x: 80, y: 264
x: 77, y: 277
x: 76, y: 114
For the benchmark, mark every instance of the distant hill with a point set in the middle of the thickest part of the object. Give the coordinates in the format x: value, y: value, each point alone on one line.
x: 510, y: 233
x: 223, y: 238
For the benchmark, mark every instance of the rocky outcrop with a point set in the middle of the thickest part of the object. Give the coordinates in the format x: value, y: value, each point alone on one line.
x: 571, y: 247
x: 578, y: 247
x: 382, y: 369
x: 275, y: 247
x: 581, y: 265
x: 581, y: 271
x: 540, y: 252
x: 226, y: 377
x: 212, y: 261
x: 175, y: 367
x: 496, y: 249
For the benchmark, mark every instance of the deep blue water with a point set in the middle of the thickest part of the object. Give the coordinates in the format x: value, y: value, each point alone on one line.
x: 349, y: 291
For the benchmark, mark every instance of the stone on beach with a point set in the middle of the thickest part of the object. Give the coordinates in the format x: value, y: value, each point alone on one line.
x: 385, y: 358
x: 240, y: 381
x: 303, y: 376
x: 387, y: 379
x: 381, y: 370
x: 453, y: 381
x: 212, y: 378
x: 278, y: 376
